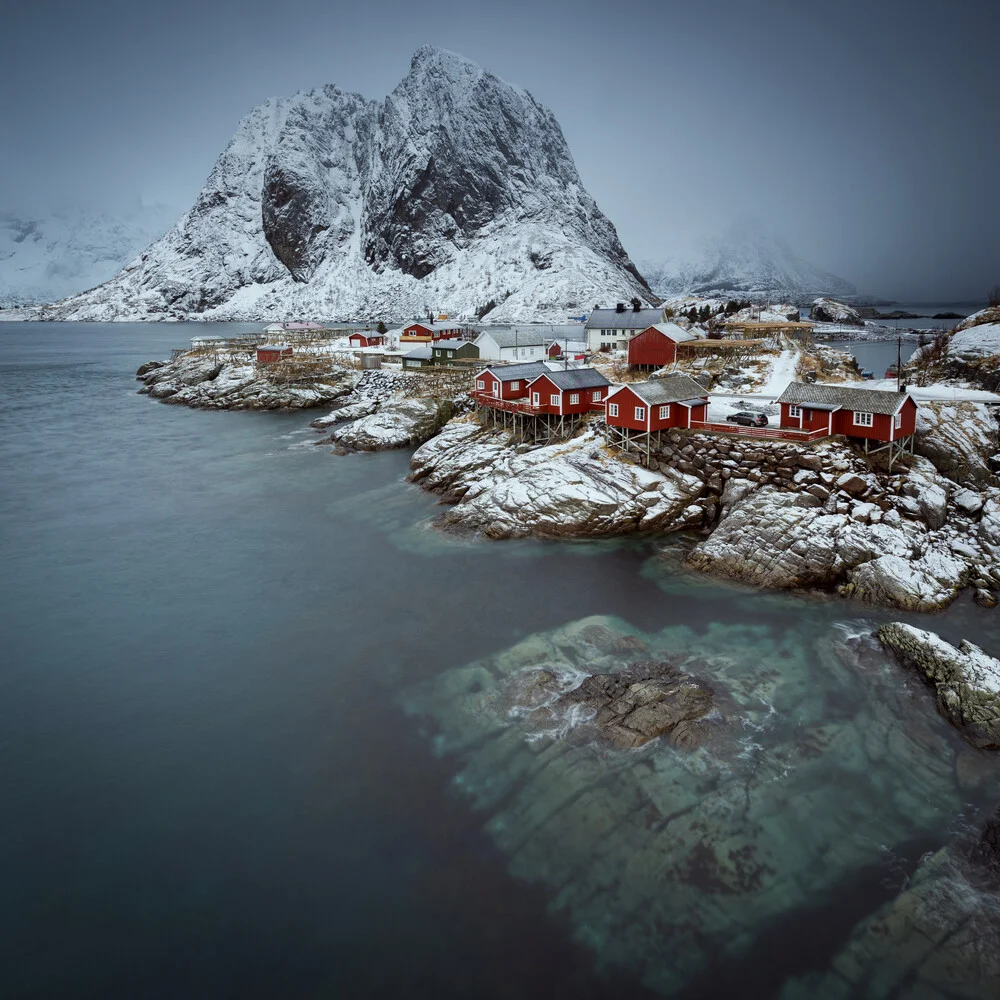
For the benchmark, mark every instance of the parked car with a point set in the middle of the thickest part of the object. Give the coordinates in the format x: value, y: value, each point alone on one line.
x: 748, y: 419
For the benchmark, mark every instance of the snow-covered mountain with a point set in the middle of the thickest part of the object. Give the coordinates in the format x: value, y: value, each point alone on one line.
x: 746, y: 261
x: 456, y: 190
x: 49, y: 256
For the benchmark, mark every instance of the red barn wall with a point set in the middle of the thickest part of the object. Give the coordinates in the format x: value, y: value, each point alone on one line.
x: 651, y: 348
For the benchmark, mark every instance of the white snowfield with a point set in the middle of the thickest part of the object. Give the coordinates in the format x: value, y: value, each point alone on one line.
x: 976, y: 341
x: 455, y: 190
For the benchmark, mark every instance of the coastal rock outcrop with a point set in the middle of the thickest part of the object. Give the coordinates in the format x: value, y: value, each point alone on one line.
x: 395, y: 424
x: 960, y: 438
x: 571, y: 489
x: 830, y: 311
x: 966, y: 678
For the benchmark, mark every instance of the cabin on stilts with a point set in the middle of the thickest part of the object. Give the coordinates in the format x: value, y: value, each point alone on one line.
x: 885, y: 421
x: 637, y: 414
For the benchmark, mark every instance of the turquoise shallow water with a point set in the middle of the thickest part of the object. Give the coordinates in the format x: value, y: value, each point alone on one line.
x: 228, y: 709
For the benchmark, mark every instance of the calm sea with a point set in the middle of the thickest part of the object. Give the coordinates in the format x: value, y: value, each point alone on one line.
x: 209, y: 785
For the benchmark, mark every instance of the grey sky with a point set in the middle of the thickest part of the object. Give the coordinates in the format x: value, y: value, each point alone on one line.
x: 867, y: 133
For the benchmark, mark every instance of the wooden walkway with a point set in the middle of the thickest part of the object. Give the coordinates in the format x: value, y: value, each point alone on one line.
x: 773, y: 433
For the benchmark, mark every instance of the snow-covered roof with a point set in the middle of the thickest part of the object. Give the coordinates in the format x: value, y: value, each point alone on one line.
x: 863, y: 400
x: 630, y: 319
x: 676, y: 333
x: 420, y: 353
x: 274, y: 347
x: 428, y: 325
x: 577, y: 378
x: 451, y: 344
x: 274, y: 327
x: 508, y: 373
x: 514, y: 338
x: 671, y: 389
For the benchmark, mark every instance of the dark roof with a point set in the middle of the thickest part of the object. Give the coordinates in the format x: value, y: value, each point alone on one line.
x: 863, y: 400
x: 576, y: 378
x: 672, y: 389
x: 452, y: 345
x: 514, y: 338
x: 609, y: 319
x: 527, y: 371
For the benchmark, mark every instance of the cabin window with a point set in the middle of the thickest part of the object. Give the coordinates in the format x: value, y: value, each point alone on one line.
x: 554, y: 399
x: 640, y: 413
x: 664, y: 412
x: 897, y: 420
x: 596, y: 395
x: 794, y: 411
x: 515, y: 385
x: 574, y: 398
x: 480, y: 384
x: 612, y: 409
x: 862, y: 419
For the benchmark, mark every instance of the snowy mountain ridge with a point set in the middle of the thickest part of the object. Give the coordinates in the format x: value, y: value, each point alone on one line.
x: 46, y: 256
x: 456, y: 190
x: 747, y: 261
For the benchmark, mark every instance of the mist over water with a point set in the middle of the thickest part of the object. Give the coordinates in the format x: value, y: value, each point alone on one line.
x: 255, y: 742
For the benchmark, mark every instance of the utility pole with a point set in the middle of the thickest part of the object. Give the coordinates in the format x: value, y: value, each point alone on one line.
x: 899, y: 364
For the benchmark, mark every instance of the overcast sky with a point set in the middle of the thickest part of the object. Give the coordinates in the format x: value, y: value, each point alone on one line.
x: 867, y: 133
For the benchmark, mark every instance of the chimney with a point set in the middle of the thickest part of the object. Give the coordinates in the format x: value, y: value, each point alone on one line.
x: 620, y: 307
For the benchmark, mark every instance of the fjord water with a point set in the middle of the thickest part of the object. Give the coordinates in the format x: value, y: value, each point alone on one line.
x: 215, y: 782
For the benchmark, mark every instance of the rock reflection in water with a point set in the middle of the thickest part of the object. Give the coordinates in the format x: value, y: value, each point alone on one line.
x: 811, y: 765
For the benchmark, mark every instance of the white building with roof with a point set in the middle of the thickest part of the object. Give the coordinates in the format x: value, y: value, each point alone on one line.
x: 511, y: 345
x: 612, y: 329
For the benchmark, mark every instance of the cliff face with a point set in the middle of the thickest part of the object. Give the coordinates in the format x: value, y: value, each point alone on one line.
x: 456, y: 190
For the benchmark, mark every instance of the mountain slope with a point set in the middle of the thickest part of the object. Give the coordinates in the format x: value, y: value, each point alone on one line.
x: 48, y: 256
x: 745, y: 261
x: 457, y: 189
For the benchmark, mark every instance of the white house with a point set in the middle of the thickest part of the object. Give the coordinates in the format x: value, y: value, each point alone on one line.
x: 511, y: 345
x: 612, y: 329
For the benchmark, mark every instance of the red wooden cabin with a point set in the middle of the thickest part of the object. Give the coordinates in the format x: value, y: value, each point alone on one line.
x: 656, y: 346
x: 268, y: 354
x: 422, y: 332
x: 577, y: 390
x: 658, y: 404
x: 366, y: 339
x: 870, y: 414
x: 505, y: 381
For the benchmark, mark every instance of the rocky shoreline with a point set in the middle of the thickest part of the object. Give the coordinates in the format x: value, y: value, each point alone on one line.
x: 766, y: 513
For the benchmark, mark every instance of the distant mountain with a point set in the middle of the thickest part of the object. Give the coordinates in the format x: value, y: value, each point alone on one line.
x: 746, y: 261
x: 49, y: 256
x: 456, y: 191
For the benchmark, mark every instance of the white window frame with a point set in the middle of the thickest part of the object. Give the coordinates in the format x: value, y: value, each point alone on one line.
x: 640, y: 413
x: 612, y: 409
x: 480, y: 383
x: 515, y: 385
x: 554, y: 399
x: 897, y: 420
x: 863, y: 419
x: 665, y: 412
x: 574, y: 398
x: 596, y: 396
x: 794, y: 411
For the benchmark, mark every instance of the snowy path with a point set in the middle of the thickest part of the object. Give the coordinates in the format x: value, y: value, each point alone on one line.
x: 782, y: 372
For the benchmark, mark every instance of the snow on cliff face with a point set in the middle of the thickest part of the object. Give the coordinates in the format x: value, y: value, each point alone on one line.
x: 455, y: 190
x: 48, y: 256
x: 746, y: 261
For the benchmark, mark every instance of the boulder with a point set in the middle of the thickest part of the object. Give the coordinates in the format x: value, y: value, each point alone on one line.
x: 966, y: 678
x: 830, y: 311
x: 852, y: 484
x: 398, y: 423
x: 149, y: 366
x: 959, y: 438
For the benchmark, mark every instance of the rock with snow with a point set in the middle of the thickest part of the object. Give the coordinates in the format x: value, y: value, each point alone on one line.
x: 826, y: 310
x: 570, y: 489
x: 456, y: 190
x: 396, y: 424
x: 959, y: 438
x: 351, y: 411
x: 966, y: 678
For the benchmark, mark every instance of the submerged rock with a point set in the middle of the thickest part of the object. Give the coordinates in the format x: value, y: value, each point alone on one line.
x: 645, y: 700
x: 966, y: 678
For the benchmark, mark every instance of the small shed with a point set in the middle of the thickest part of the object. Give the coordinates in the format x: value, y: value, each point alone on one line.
x: 446, y: 351
x: 419, y: 357
x: 563, y: 347
x: 656, y: 346
x: 269, y: 354
x: 366, y: 338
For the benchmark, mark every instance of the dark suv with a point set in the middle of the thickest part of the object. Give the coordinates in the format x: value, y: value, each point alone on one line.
x: 748, y: 419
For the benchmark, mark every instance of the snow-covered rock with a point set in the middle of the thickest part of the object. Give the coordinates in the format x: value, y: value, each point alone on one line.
x: 959, y: 438
x: 574, y: 488
x: 396, y: 424
x: 966, y: 678
x: 976, y: 342
x: 826, y: 310
x: 456, y: 190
